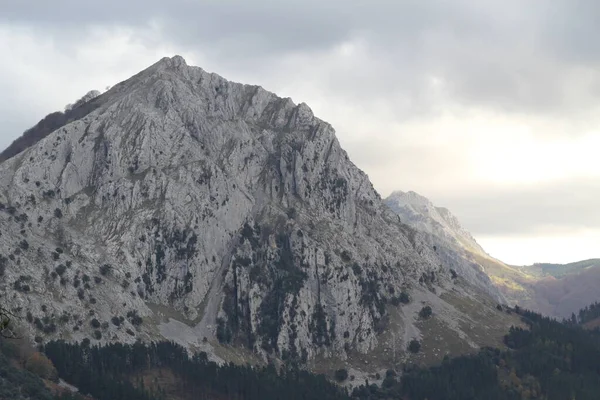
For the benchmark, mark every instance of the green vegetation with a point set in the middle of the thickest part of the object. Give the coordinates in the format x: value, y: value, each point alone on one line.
x: 561, y: 270
x: 60, y: 270
x: 21, y: 284
x: 113, y: 372
x: 425, y: 312
x: 134, y: 318
x: 549, y: 360
x: 588, y: 314
x: 341, y: 375
x: 318, y: 327
x: 105, y: 269
x: 285, y: 279
x: 22, y: 371
x: 414, y: 346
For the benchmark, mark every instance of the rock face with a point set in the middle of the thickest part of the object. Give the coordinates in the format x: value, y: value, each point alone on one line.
x: 50, y: 123
x: 454, y: 244
x: 232, y: 210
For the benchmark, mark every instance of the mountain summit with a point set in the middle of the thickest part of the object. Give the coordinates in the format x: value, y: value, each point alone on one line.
x: 419, y: 212
x: 180, y: 205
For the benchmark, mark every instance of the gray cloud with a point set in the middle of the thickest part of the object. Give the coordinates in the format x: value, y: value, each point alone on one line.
x: 515, y: 56
x: 553, y: 208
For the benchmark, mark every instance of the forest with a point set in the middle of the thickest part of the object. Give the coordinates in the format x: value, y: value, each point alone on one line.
x: 548, y: 360
x: 111, y: 372
x: 587, y: 314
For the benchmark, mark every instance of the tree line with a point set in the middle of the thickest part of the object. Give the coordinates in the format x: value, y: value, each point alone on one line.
x: 110, y: 372
x: 547, y: 360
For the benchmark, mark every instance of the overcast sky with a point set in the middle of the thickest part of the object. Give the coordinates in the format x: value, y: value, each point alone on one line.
x: 489, y: 108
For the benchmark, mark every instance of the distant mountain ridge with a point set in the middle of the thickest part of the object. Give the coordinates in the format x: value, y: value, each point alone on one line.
x: 552, y: 289
x: 420, y: 213
x: 561, y: 270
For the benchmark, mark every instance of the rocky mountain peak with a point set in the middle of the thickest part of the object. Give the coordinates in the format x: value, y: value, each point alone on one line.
x: 216, y: 213
x: 176, y: 61
x: 419, y: 212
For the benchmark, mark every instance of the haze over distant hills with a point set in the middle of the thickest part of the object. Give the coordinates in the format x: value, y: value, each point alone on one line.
x: 552, y: 289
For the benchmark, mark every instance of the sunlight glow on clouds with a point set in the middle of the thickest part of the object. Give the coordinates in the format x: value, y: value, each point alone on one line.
x: 517, y: 156
x: 478, y: 107
x: 527, y: 250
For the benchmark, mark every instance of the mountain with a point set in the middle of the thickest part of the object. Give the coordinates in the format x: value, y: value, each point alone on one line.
x: 561, y: 288
x: 453, y: 244
x: 552, y: 289
x: 178, y: 205
x: 562, y: 270
x: 419, y: 212
x: 50, y: 123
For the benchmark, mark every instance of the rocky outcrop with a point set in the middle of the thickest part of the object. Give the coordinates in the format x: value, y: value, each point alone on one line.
x: 232, y: 210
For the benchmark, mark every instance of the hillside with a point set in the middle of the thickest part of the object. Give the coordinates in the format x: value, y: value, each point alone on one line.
x: 548, y: 360
x: 552, y: 289
x: 561, y: 270
x: 456, y: 245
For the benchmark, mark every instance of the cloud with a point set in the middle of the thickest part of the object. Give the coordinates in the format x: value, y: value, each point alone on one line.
x: 42, y: 76
x: 521, y: 57
x: 550, y: 209
x: 527, y: 250
x: 489, y: 108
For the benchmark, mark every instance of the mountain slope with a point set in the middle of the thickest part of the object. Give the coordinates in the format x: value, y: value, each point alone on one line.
x: 560, y: 289
x: 552, y: 289
x: 561, y: 270
x: 211, y: 213
x: 454, y: 244
x: 50, y: 123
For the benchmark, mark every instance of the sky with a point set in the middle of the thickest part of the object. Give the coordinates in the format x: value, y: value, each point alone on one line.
x: 489, y: 108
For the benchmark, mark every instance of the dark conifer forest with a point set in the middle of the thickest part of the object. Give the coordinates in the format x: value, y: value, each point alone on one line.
x: 110, y: 373
x: 547, y: 360
x: 588, y: 314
